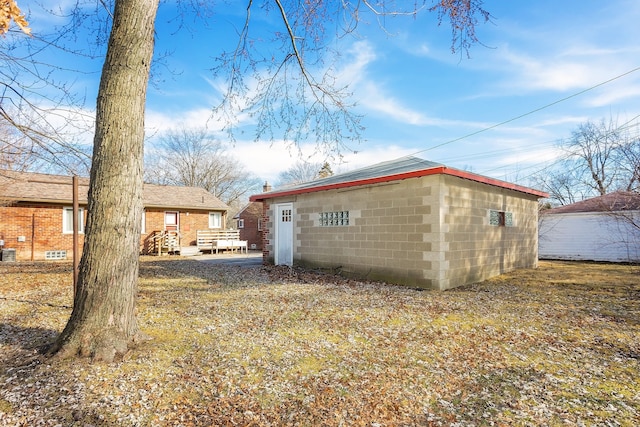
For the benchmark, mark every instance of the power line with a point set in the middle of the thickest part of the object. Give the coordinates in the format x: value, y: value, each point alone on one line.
x: 628, y: 125
x: 529, y: 113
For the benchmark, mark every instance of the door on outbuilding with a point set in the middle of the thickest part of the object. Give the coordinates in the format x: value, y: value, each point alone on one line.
x: 284, y: 234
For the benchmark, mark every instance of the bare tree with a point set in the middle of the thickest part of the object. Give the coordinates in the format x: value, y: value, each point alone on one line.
x: 300, y: 97
x: 47, y: 118
x: 300, y: 172
x: 15, y: 153
x: 599, y: 158
x: 594, y: 146
x: 103, y: 323
x: 629, y: 158
x: 563, y: 183
x: 191, y: 157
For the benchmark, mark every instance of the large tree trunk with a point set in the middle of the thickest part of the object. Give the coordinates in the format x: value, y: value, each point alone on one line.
x: 103, y: 323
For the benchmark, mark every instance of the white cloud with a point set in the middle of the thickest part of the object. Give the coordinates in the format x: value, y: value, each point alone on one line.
x: 371, y: 94
x: 374, y: 99
x: 528, y: 73
x: 267, y: 160
x: 615, y: 95
x: 157, y: 122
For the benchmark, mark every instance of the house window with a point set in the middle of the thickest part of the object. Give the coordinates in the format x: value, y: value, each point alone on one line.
x: 259, y: 224
x: 241, y: 223
x: 67, y: 220
x: 501, y: 218
x: 334, y: 219
x: 215, y: 220
x: 171, y: 220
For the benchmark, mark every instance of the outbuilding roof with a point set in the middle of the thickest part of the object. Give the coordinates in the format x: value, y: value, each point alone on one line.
x: 403, y: 168
x: 45, y: 188
x: 613, y: 202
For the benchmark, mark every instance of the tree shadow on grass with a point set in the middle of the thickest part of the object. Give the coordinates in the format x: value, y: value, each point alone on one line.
x: 26, y: 338
x: 211, y: 274
x: 37, y: 390
x: 38, y: 267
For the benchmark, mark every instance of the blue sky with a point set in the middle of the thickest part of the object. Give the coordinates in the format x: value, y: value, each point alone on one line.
x: 415, y: 96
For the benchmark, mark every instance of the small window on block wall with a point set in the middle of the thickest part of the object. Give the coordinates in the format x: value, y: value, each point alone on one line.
x: 67, y: 220
x: 501, y: 218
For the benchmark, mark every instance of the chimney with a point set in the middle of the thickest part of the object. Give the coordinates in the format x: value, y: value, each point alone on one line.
x: 266, y: 187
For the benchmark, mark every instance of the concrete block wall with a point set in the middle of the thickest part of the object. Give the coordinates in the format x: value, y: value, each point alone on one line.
x: 476, y: 250
x: 391, y: 227
x: 429, y: 232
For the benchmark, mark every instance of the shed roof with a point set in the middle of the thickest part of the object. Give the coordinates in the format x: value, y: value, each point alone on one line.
x: 393, y: 170
x: 45, y: 188
x: 613, y: 202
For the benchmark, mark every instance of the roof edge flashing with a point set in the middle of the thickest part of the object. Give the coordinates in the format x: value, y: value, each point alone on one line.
x: 438, y: 170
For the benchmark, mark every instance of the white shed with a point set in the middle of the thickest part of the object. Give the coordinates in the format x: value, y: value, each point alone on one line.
x: 605, y: 228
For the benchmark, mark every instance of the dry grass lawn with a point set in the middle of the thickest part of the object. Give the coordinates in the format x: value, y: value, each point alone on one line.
x: 558, y: 345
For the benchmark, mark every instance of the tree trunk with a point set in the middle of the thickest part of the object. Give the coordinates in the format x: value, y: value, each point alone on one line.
x: 103, y: 324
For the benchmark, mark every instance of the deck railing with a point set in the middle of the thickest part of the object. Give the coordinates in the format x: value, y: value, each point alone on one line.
x: 216, y: 240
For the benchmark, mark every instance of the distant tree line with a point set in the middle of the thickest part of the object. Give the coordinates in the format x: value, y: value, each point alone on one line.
x: 599, y: 158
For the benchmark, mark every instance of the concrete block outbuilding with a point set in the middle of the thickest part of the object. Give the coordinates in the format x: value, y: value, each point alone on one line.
x: 407, y: 221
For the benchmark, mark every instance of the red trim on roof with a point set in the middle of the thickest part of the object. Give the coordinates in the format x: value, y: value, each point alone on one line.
x: 400, y: 176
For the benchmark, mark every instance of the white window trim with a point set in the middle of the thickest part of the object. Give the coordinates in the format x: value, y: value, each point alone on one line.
x: 176, y: 214
x: 240, y: 223
x: 68, y: 211
x: 143, y: 229
x: 212, y: 222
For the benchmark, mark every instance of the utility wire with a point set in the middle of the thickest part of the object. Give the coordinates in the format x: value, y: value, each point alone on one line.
x: 528, y: 113
x: 625, y: 126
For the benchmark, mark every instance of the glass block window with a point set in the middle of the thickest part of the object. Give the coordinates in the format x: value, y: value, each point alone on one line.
x: 508, y: 219
x: 501, y: 218
x: 334, y: 219
x: 51, y: 255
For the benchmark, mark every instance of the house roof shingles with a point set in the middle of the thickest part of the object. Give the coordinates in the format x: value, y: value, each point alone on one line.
x: 44, y: 188
x: 613, y: 202
x: 403, y: 168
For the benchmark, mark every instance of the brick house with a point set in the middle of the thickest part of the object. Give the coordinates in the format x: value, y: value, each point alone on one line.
x: 407, y: 221
x: 249, y: 223
x: 36, y: 214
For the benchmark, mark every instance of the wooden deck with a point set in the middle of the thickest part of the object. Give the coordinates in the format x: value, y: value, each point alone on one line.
x: 217, y: 240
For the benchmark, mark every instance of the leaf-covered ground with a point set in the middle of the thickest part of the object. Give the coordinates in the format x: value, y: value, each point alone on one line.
x: 233, y: 346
